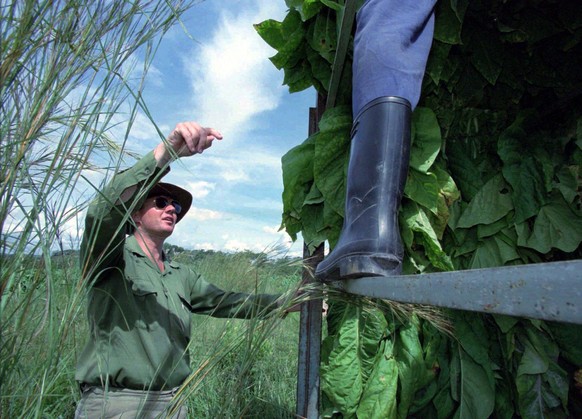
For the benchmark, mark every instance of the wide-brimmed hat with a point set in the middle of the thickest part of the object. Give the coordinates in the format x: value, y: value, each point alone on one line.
x: 175, y: 192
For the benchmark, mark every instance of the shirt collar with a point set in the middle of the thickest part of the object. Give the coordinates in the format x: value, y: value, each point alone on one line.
x: 133, y: 246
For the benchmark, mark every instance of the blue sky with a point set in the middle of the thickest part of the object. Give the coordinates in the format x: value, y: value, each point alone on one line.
x: 219, y: 75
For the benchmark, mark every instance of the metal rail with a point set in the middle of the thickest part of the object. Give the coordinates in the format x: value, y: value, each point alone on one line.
x: 546, y: 291
x: 310, y: 319
x: 343, y: 39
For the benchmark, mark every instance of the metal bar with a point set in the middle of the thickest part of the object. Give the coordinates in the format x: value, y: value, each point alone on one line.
x: 547, y: 291
x: 310, y: 319
x: 309, y: 345
x: 339, y: 59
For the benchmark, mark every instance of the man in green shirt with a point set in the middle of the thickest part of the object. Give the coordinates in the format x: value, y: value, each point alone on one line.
x: 140, y: 303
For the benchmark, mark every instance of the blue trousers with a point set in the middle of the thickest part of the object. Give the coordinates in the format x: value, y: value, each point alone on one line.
x: 391, y: 47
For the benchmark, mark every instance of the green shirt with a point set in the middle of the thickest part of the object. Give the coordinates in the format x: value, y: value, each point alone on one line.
x: 139, y: 317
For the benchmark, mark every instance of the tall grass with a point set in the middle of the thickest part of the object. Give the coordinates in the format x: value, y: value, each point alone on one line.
x: 245, y: 368
x: 67, y: 71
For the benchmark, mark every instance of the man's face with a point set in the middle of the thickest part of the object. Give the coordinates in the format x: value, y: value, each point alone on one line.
x: 157, y: 216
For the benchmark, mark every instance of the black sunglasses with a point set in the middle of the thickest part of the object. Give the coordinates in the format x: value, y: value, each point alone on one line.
x: 161, y: 203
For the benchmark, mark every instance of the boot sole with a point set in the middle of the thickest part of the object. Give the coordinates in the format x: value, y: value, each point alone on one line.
x: 359, y: 266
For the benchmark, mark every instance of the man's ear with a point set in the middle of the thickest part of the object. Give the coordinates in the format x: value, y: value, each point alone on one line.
x: 136, y: 217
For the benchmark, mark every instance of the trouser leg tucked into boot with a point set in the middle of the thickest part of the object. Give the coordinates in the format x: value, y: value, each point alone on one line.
x: 370, y: 243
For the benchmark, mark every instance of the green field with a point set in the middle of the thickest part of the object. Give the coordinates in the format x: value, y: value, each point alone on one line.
x: 242, y: 368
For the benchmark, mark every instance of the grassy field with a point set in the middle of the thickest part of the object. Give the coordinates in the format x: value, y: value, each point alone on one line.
x: 242, y: 368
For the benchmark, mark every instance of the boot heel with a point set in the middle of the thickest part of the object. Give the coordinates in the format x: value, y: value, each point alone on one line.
x: 358, y: 266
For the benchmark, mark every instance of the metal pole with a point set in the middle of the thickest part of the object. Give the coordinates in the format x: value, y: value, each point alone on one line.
x: 546, y: 291
x: 310, y: 318
x: 309, y: 345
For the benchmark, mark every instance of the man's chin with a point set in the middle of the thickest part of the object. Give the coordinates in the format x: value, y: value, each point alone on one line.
x: 166, y: 231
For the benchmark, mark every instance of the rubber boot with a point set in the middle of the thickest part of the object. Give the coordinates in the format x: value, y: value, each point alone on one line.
x: 370, y: 243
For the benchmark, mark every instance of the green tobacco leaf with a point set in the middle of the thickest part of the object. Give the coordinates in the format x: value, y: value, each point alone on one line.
x: 543, y: 395
x: 488, y: 230
x: 491, y: 203
x: 333, y: 224
x: 556, y: 226
x: 534, y: 360
x: 439, y: 221
x: 271, y: 32
x: 473, y: 337
x: 444, y: 403
x: 331, y: 156
x: 412, y: 370
x: 336, y: 119
x: 579, y: 134
x: 541, y: 384
x: 426, y: 139
x: 470, y: 164
x: 297, y: 166
x: 449, y: 21
x: 522, y: 170
x: 423, y: 188
x: 319, y: 69
x: 343, y: 369
x: 569, y: 339
x: 531, y: 396
x: 292, y: 34
x: 415, y: 219
x: 299, y: 77
x: 306, y: 8
x: 505, y: 323
x: 341, y: 378
x: 570, y: 179
x: 474, y: 393
x: 469, y: 84
x: 476, y: 385
x: 447, y: 185
x: 494, y: 251
x: 322, y: 37
x: 314, y: 196
x: 484, y: 55
x: 373, y: 330
x: 379, y: 398
x: 437, y: 60
x: 311, y: 221
x: 333, y: 4
x: 448, y: 194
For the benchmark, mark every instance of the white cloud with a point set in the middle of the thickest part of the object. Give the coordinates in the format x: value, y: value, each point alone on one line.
x: 234, y: 174
x: 272, y: 230
x: 202, y: 214
x: 143, y: 129
x: 200, y: 189
x: 264, y: 204
x: 234, y: 245
x: 205, y: 246
x: 231, y: 77
x: 133, y: 70
x: 257, y: 167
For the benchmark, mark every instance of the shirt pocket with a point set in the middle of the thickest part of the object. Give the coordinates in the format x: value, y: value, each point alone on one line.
x: 146, y: 307
x: 185, y: 314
